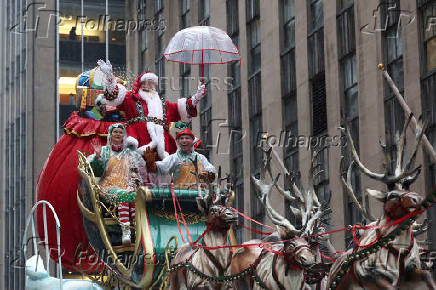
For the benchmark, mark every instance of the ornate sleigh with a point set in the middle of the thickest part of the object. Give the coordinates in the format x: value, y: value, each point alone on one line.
x: 144, y: 262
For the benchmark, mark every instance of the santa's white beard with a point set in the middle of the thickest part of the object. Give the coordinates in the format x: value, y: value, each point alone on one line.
x: 156, y: 132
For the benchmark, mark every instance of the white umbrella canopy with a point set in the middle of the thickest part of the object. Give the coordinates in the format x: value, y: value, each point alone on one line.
x: 198, y: 45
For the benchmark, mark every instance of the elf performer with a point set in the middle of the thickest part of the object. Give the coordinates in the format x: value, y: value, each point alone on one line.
x: 121, y: 171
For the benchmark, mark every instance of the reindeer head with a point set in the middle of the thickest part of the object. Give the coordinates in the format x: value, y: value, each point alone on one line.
x: 218, y: 214
x: 398, y: 200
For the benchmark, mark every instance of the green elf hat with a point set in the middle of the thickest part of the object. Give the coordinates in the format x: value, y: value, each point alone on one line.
x: 183, y: 129
x: 116, y: 125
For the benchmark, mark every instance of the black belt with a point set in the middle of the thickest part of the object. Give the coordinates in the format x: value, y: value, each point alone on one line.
x: 148, y: 119
x: 141, y: 116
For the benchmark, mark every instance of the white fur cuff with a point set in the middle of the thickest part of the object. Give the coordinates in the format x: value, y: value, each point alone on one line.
x: 122, y: 91
x: 142, y: 149
x: 181, y: 106
x: 132, y: 142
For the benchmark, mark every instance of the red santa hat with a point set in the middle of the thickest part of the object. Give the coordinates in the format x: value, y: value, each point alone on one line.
x: 149, y: 76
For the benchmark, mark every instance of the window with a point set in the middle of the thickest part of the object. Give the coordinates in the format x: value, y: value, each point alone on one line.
x: 203, y: 12
x: 256, y: 128
x: 185, y: 69
x: 289, y: 90
x: 349, y: 99
x: 428, y: 87
x: 253, y: 36
x: 253, y: 30
x: 316, y: 67
x: 160, y: 46
x: 428, y: 12
x: 318, y: 92
x: 206, y: 102
x: 235, y: 116
x: 232, y: 18
x: 393, y: 55
x: 252, y: 9
x: 142, y: 17
x: 316, y: 19
x: 321, y: 175
x: 185, y: 12
x: 255, y: 98
x: 288, y: 24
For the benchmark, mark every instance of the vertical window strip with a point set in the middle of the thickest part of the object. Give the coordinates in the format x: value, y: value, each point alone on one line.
x: 142, y: 17
x: 255, y: 97
x: 349, y: 100
x: 318, y: 91
x: 289, y: 91
x: 206, y: 102
x: 160, y: 46
x: 392, y: 46
x: 235, y: 116
x: 185, y: 69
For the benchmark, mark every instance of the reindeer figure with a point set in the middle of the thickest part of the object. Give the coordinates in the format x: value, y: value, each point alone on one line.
x: 388, y: 256
x: 298, y: 252
x: 211, y: 263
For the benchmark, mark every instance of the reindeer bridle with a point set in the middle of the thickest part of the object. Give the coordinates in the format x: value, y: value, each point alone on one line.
x: 400, y: 205
x: 291, y: 256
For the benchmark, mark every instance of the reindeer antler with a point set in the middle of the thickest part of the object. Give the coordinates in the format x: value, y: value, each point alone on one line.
x: 349, y: 189
x: 263, y: 195
x: 309, y: 209
x: 402, y: 175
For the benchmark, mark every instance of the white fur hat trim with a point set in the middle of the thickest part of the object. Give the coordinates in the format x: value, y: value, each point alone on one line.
x: 149, y: 77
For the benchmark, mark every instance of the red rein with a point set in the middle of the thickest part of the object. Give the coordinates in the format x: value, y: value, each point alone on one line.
x: 263, y: 244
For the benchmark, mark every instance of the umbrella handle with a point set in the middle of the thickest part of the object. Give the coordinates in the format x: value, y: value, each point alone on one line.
x: 202, y: 67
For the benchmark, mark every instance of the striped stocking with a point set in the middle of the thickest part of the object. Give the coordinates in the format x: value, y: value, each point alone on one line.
x: 123, y: 212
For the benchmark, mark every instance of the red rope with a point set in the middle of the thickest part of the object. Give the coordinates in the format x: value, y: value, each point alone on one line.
x: 249, y: 218
x: 255, y: 231
x: 262, y: 244
x: 398, y: 221
x: 177, y: 217
x: 327, y: 257
x: 202, y: 235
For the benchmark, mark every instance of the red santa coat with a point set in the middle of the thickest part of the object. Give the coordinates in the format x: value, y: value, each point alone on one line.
x: 163, y: 111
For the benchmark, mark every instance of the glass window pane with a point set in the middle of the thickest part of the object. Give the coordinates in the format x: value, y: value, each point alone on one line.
x: 317, y: 17
x: 431, y: 54
x: 289, y: 35
x: 288, y: 10
x: 351, y: 103
x: 427, y: 19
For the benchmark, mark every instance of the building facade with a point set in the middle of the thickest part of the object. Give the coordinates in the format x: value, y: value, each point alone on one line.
x: 28, y: 121
x: 38, y: 60
x: 307, y: 67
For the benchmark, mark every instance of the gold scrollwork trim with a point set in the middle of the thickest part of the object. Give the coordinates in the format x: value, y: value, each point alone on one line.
x: 191, y: 218
x: 69, y: 132
x: 89, y: 215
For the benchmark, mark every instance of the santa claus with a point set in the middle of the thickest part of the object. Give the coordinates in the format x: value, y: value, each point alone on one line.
x: 148, y: 115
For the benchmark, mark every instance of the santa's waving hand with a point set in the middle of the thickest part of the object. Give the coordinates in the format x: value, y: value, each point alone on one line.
x: 148, y: 115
